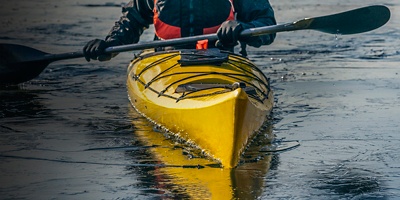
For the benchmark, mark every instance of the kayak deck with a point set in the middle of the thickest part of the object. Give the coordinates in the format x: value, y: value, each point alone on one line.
x: 215, y: 101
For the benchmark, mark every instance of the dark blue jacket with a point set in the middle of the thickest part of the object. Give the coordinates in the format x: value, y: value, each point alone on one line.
x: 137, y: 16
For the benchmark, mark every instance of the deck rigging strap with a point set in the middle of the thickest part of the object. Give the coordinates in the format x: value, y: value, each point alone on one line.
x: 210, y: 56
x: 203, y: 57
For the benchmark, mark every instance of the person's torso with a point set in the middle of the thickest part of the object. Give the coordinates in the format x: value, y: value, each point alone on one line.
x: 183, y: 18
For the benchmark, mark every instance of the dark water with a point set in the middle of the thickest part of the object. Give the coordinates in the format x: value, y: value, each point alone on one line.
x: 338, y: 95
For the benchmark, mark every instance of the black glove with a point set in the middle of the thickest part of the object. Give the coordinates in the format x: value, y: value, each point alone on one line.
x: 94, y: 50
x: 228, y: 35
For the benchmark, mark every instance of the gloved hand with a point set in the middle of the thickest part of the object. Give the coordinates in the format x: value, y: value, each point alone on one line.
x: 94, y: 50
x: 228, y: 35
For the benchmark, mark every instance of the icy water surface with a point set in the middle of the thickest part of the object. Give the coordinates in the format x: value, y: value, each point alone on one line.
x: 338, y: 95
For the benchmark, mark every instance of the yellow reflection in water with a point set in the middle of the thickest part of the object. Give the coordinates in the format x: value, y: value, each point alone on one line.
x: 209, y: 181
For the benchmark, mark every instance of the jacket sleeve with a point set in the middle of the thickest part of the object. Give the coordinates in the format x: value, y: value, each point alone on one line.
x: 137, y: 15
x: 252, y: 14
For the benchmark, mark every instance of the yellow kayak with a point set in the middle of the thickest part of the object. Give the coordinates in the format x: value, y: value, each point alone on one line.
x: 213, y: 100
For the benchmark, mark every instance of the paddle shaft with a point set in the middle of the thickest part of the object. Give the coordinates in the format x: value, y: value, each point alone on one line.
x: 211, y: 37
x: 171, y: 42
x: 349, y: 22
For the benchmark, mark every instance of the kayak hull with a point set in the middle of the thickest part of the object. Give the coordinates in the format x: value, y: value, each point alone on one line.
x: 218, y: 120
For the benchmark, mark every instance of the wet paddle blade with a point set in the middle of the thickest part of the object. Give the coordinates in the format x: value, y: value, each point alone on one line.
x: 352, y: 22
x: 20, y: 63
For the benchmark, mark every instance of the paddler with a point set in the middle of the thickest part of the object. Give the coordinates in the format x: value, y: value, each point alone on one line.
x: 175, y: 19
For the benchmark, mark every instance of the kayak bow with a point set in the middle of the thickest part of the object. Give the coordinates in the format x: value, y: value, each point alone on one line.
x: 211, y: 99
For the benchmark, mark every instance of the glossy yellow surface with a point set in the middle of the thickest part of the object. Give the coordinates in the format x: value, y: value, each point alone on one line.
x: 220, y: 124
x: 207, y: 181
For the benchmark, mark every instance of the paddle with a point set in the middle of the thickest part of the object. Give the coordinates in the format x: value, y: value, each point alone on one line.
x: 20, y: 63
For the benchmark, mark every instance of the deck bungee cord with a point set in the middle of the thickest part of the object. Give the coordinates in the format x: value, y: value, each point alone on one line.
x: 258, y: 92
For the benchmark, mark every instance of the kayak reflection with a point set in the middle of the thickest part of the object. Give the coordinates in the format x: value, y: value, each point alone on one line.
x: 186, y: 171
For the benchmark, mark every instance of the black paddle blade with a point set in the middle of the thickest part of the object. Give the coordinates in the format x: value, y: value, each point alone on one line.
x: 352, y: 22
x: 17, y: 63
